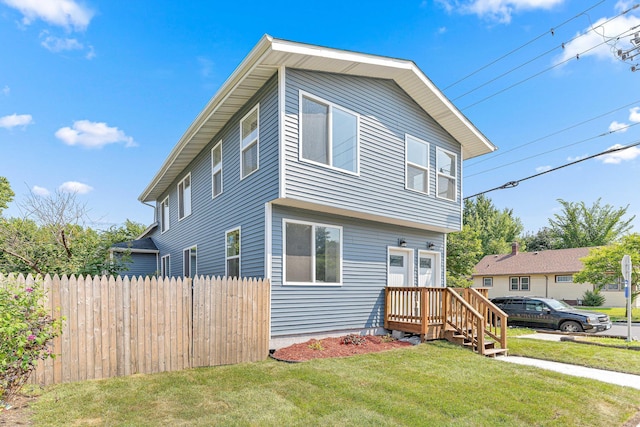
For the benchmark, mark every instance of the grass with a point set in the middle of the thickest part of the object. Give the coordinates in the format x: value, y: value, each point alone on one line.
x: 436, y: 384
x: 610, y: 342
x: 615, y: 313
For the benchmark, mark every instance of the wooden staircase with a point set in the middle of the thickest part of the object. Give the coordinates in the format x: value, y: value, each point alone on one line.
x: 489, y: 349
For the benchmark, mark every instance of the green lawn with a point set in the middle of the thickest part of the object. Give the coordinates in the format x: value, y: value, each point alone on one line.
x: 435, y: 384
x: 615, y: 313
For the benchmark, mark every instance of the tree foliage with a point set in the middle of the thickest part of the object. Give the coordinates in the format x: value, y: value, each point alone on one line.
x: 579, y: 226
x: 6, y: 193
x: 543, y: 240
x: 464, y: 250
x: 496, y: 229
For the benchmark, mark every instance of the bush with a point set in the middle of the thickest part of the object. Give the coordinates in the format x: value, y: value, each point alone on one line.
x: 593, y: 299
x: 26, y: 333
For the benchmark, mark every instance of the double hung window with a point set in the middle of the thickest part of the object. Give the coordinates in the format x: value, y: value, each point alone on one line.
x: 216, y: 170
x: 446, y: 163
x: 487, y: 282
x: 417, y: 168
x: 249, y: 142
x: 313, y: 253
x: 184, y: 197
x: 328, y: 134
x: 190, y: 261
x: 232, y: 253
x: 165, y: 266
x: 164, y: 215
x: 519, y: 283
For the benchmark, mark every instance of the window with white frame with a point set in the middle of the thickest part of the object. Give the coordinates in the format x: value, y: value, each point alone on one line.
x: 519, y: 283
x: 184, y: 197
x: 165, y: 266
x: 417, y: 168
x: 328, y: 134
x: 164, y: 215
x: 216, y: 170
x: 313, y: 253
x: 232, y: 253
x: 190, y: 261
x: 446, y: 165
x: 487, y: 282
x: 249, y: 142
x: 564, y: 279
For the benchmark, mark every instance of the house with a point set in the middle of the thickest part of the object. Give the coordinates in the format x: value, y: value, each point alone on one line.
x: 544, y: 274
x: 333, y: 173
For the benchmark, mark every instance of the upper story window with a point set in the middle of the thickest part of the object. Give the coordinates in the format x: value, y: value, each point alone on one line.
x: 417, y: 169
x: 164, y: 215
x: 446, y: 164
x: 249, y: 142
x: 564, y: 279
x: 232, y: 253
x: 184, y: 197
x: 216, y: 170
x: 328, y: 134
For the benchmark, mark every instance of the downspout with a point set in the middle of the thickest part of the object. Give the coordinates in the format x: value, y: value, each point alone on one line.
x: 546, y: 286
x: 155, y: 211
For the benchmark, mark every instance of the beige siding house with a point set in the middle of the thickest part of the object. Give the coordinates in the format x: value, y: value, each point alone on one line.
x: 543, y: 274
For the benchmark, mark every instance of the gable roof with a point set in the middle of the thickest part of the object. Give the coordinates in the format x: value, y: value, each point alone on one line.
x: 556, y: 261
x: 263, y: 62
x: 144, y: 245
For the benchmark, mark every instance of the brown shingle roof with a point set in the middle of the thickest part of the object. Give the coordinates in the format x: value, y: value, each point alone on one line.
x: 544, y: 262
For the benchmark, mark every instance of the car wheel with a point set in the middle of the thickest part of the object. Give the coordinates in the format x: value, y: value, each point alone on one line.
x: 571, y: 326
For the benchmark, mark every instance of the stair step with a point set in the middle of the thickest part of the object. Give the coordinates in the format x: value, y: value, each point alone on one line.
x: 492, y: 352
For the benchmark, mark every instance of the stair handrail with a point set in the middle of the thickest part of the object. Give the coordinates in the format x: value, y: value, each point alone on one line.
x: 478, y: 339
x: 494, y: 317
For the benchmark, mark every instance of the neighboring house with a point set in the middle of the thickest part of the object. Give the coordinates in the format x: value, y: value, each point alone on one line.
x: 332, y: 173
x: 141, y: 256
x: 544, y: 274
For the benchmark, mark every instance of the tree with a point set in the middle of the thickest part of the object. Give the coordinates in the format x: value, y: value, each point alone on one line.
x: 579, y: 226
x: 497, y: 229
x: 602, y: 265
x: 464, y: 250
x: 6, y: 194
x: 543, y: 240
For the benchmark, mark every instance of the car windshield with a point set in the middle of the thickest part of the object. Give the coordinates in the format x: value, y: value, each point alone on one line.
x: 558, y: 305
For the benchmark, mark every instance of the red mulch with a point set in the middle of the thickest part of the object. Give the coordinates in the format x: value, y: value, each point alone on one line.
x: 334, y: 347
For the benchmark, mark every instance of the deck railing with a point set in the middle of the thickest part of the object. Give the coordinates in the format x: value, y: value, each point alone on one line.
x: 462, y: 317
x: 494, y: 317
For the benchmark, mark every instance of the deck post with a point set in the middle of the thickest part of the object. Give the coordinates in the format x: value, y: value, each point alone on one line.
x: 387, y: 307
x: 424, y: 312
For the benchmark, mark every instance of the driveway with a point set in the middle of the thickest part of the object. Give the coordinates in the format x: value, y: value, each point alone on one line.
x: 620, y: 330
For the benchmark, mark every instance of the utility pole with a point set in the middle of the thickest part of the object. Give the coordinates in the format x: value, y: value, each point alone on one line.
x: 632, y: 55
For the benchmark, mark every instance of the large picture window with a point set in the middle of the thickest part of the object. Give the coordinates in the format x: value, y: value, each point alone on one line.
x: 417, y: 168
x: 328, y: 134
x: 232, y: 253
x: 184, y: 197
x: 249, y: 142
x: 216, y: 170
x: 446, y: 163
x: 164, y: 215
x: 313, y: 253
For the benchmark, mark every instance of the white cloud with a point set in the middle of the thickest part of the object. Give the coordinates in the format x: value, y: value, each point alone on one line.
x: 40, y: 191
x: 618, y: 127
x: 620, y: 156
x: 6, y: 90
x: 93, y: 135
x: 576, y: 158
x: 543, y: 168
x: 57, y: 44
x: 442, y: 30
x: 584, y: 45
x: 75, y: 187
x: 15, y: 120
x: 634, y: 114
x: 63, y: 13
x: 497, y: 10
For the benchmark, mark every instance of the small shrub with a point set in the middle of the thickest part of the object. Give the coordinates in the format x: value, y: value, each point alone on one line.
x: 316, y: 345
x: 593, y: 299
x: 354, y: 339
x: 26, y: 333
x: 387, y: 338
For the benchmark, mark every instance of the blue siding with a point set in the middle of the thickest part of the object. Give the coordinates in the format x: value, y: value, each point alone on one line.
x: 386, y: 114
x: 241, y: 203
x: 140, y: 265
x: 359, y: 302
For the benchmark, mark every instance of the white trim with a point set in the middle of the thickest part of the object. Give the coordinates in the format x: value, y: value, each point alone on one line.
x: 184, y: 266
x: 213, y: 171
x: 268, y: 240
x: 134, y: 251
x: 455, y: 176
x: 408, y: 163
x: 239, y: 256
x: 282, y: 114
x: 444, y: 259
x: 313, y: 225
x: 437, y: 271
x: 410, y: 268
x: 162, y: 215
x: 244, y: 147
x: 182, y: 200
x: 168, y: 263
x: 331, y: 105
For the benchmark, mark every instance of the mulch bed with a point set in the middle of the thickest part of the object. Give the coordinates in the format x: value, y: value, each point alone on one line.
x: 335, y: 347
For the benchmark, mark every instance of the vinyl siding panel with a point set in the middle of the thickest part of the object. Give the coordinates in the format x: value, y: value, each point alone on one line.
x: 140, y: 265
x: 358, y: 303
x: 241, y: 203
x: 386, y: 114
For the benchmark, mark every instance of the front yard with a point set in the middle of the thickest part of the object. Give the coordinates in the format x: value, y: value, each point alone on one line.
x: 430, y: 384
x: 615, y: 313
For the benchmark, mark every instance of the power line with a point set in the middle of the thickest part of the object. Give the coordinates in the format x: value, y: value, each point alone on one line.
x: 500, y: 153
x: 555, y: 149
x: 512, y: 184
x: 552, y: 31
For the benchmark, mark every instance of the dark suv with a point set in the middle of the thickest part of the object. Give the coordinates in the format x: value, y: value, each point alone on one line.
x: 549, y: 313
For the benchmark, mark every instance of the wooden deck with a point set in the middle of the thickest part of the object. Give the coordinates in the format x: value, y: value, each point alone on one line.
x: 463, y: 315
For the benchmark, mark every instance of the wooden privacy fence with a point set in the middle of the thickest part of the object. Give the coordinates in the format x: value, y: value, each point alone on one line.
x: 122, y: 326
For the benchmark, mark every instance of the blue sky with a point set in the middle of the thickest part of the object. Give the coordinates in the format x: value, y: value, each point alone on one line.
x: 95, y: 94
